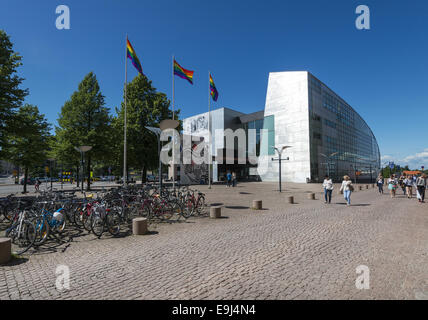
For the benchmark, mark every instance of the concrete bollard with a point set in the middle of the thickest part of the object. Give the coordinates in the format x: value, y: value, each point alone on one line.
x: 367, y: 186
x: 139, y: 226
x: 215, y: 212
x: 290, y: 199
x: 311, y: 196
x: 360, y: 188
x: 257, y: 204
x: 5, y: 250
x: 373, y: 186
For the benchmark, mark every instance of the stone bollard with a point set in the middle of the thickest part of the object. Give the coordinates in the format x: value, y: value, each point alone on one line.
x: 257, y: 205
x: 311, y: 196
x: 290, y: 199
x: 139, y: 226
x: 5, y: 250
x: 215, y: 212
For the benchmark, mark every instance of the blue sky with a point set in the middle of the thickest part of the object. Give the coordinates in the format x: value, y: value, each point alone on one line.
x: 381, y: 72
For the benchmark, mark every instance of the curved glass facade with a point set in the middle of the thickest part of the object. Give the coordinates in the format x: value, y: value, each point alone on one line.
x: 341, y: 143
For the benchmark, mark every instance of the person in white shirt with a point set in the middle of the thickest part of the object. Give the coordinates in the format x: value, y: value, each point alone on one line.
x: 409, y: 186
x: 421, y: 184
x: 347, y: 189
x: 392, y: 185
x: 328, y: 189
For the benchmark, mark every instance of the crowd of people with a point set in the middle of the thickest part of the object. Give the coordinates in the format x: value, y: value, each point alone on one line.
x: 410, y: 184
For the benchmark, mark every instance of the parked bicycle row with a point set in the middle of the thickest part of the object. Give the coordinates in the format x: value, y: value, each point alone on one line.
x: 31, y: 221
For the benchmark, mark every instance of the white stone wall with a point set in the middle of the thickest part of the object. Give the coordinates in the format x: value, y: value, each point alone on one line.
x: 287, y: 100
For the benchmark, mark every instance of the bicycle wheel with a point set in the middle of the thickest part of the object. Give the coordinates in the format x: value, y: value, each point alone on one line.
x: 78, y: 217
x: 60, y: 225
x: 97, y: 225
x: 86, y: 220
x: 23, y: 239
x: 166, y: 211
x: 42, y: 231
x: 177, y: 209
x: 188, y: 207
x: 201, y: 206
x: 113, y: 223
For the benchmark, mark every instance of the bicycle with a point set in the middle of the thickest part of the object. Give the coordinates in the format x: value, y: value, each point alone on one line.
x: 22, y: 233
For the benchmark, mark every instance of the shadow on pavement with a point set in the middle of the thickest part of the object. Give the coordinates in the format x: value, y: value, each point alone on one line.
x: 15, y: 261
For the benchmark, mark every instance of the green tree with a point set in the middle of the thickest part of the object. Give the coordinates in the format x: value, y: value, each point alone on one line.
x: 84, y: 120
x: 11, y: 96
x: 28, y: 146
x: 145, y: 107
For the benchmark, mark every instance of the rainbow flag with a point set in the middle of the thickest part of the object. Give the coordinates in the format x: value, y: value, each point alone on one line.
x: 133, y: 56
x: 183, y: 73
x: 213, y: 89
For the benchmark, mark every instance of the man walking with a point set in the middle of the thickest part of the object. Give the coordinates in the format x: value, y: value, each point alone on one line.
x: 228, y: 178
x: 421, y: 184
x: 380, y: 184
x: 328, y: 189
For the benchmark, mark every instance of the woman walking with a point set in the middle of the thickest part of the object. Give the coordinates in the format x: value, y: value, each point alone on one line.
x: 328, y: 189
x: 392, y: 185
x: 347, y: 189
x: 409, y: 186
x: 380, y: 184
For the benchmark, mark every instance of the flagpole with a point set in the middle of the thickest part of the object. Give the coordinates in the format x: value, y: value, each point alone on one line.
x: 173, y: 118
x: 125, y: 117
x: 209, y: 132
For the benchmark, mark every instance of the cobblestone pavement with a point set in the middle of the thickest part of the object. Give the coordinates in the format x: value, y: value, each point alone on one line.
x: 308, y: 250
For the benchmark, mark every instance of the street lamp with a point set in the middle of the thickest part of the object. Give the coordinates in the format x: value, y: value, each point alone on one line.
x: 158, y: 132
x: 328, y: 160
x: 50, y: 169
x: 279, y: 161
x: 82, y: 150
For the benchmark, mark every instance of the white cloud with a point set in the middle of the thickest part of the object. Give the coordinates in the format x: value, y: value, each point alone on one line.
x: 417, y: 160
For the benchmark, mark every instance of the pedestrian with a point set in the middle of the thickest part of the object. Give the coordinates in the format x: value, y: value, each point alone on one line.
x: 328, y: 188
x: 409, y: 186
x: 401, y: 183
x: 347, y: 189
x: 421, y: 184
x: 234, y: 179
x: 228, y: 179
x: 380, y: 184
x: 392, y: 185
x: 37, y: 185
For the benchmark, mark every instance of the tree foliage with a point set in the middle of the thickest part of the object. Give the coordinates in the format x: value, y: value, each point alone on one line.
x: 11, y: 95
x: 84, y: 121
x: 145, y: 107
x: 28, y: 146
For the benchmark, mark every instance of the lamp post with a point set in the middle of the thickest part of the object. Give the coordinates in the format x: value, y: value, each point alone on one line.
x: 279, y: 162
x: 82, y: 150
x: 50, y: 169
x: 158, y: 132
x: 328, y: 160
